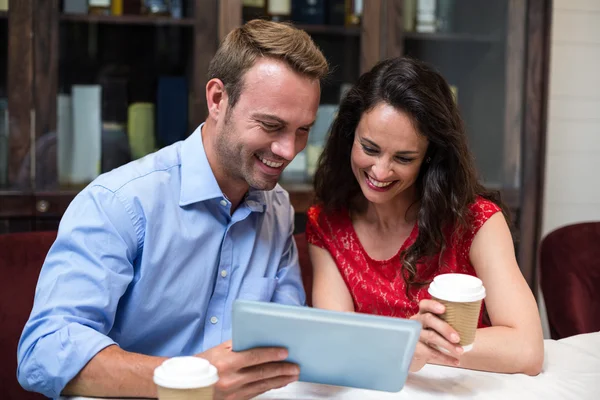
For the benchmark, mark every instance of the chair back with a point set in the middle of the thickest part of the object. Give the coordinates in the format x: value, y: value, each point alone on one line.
x: 570, y: 279
x: 305, y: 265
x: 21, y: 258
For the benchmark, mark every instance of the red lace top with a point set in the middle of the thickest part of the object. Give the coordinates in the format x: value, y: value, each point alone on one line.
x: 377, y: 287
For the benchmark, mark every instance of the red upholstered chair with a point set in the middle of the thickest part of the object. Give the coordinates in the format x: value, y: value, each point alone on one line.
x: 570, y: 279
x: 21, y: 257
x: 305, y: 265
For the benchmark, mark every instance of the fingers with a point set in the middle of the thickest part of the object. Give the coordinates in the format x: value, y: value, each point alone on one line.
x: 425, y: 354
x: 246, y: 374
x: 256, y: 388
x: 440, y: 351
x: 431, y: 306
x: 433, y: 339
x: 428, y: 318
x: 258, y: 356
x: 258, y: 373
x: 441, y: 328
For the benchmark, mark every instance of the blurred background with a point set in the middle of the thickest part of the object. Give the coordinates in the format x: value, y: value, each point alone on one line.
x: 89, y: 85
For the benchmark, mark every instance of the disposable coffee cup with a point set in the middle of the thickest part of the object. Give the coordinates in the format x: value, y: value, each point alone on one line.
x: 462, y: 295
x: 185, y: 378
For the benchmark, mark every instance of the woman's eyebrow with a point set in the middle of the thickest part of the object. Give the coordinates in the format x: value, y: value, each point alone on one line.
x: 398, y: 153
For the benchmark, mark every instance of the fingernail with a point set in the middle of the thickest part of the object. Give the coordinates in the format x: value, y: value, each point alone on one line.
x: 459, y: 349
x: 439, y: 308
x: 283, y: 354
x: 454, y: 337
x: 296, y: 371
x: 457, y: 363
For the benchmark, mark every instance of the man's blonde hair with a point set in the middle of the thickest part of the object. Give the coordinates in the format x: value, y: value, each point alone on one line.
x: 259, y: 38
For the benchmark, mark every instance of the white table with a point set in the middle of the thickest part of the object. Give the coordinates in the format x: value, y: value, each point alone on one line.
x: 571, y: 371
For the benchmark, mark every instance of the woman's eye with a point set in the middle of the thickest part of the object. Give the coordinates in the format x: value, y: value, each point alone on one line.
x: 403, y: 160
x: 369, y: 150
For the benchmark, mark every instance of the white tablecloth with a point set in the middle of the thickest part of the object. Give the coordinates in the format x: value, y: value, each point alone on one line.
x: 571, y: 371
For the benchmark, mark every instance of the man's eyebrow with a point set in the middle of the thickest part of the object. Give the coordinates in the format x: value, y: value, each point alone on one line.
x: 278, y: 120
x: 270, y: 117
x: 309, y: 125
x: 398, y: 153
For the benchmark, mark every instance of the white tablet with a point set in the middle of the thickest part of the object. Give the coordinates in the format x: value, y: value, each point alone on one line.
x: 333, y: 348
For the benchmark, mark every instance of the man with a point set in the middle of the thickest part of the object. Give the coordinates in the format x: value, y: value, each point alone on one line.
x: 150, y: 257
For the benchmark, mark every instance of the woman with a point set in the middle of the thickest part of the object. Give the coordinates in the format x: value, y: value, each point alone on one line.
x: 399, y: 203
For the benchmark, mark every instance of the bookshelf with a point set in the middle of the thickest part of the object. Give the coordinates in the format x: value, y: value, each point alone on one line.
x: 453, y: 37
x: 127, y: 20
x: 497, y: 59
x: 331, y: 30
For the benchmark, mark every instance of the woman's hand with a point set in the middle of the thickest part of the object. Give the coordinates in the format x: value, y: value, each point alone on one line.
x: 435, y: 335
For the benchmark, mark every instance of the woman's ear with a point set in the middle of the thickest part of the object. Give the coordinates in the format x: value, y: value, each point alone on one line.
x: 216, y: 98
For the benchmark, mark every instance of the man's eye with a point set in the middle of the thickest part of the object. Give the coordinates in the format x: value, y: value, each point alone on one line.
x: 270, y: 127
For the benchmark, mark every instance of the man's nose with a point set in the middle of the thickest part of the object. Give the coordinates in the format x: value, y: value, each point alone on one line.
x: 285, y: 146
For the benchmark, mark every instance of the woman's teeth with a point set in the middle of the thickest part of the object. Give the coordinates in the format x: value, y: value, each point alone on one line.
x: 378, y: 183
x: 271, y: 164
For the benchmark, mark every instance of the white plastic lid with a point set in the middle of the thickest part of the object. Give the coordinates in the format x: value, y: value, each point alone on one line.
x: 185, y: 373
x: 457, y: 288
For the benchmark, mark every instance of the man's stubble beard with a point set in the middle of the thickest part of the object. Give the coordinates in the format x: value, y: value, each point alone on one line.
x: 237, y: 165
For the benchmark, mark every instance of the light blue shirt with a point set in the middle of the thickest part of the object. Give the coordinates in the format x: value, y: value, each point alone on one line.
x: 149, y: 257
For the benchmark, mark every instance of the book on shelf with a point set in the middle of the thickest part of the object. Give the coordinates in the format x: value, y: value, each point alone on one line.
x: 409, y: 15
x: 99, y: 7
x: 279, y: 10
x: 354, y: 11
x: 140, y: 129
x: 79, y: 129
x: 171, y: 110
x: 116, y: 7
x: 75, y: 6
x: 310, y: 12
x: 426, y: 16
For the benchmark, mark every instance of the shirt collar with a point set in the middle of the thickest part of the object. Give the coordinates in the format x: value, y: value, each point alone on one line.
x: 198, y: 182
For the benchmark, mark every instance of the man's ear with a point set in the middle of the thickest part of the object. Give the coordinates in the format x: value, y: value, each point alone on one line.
x: 216, y: 98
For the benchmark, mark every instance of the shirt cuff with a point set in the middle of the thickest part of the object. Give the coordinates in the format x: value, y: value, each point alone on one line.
x: 59, y: 357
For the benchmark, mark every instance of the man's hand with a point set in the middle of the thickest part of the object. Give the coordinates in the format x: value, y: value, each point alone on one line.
x: 246, y: 374
x: 436, y: 334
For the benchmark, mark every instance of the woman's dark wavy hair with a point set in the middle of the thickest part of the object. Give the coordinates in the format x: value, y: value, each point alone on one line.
x: 446, y: 185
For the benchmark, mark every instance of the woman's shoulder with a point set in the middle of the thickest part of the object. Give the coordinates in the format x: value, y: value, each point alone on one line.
x: 317, y: 215
x: 324, y: 226
x: 482, y: 209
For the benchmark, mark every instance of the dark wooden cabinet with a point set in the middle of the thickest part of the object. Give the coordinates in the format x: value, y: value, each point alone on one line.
x: 496, y: 54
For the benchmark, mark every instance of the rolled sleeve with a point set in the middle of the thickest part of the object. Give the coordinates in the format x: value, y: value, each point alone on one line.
x: 290, y: 289
x: 86, y: 272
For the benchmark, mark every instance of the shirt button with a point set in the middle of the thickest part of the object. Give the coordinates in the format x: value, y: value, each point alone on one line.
x: 224, y: 203
x: 214, y: 320
x: 224, y: 273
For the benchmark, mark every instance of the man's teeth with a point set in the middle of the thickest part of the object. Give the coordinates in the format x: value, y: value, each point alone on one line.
x: 377, y: 183
x: 271, y: 164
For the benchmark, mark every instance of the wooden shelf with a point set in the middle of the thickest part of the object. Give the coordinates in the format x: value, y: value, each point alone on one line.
x: 127, y: 20
x: 332, y: 30
x: 451, y: 37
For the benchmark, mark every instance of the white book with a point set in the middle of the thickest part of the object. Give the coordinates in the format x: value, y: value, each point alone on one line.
x: 87, y: 132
